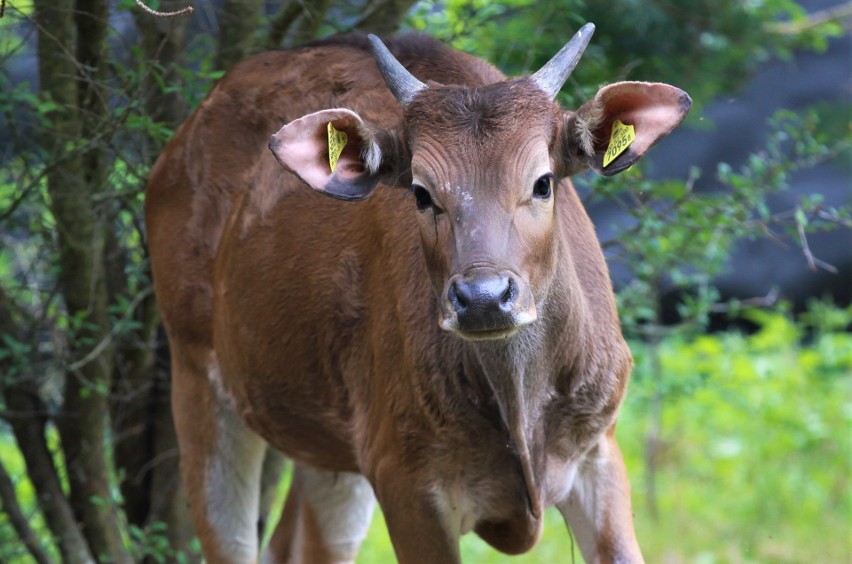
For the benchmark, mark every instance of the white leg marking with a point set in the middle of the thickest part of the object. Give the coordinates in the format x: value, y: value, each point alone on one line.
x: 343, y: 505
x: 232, y: 484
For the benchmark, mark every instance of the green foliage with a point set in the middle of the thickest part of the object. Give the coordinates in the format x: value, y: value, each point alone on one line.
x: 680, y: 239
x: 10, y: 40
x: 151, y: 544
x: 705, y: 46
x: 755, y: 458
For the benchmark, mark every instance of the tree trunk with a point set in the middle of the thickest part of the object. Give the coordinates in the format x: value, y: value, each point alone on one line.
x: 147, y: 450
x: 169, y: 502
x: 73, y: 188
x: 18, y: 520
x: 238, y: 24
x: 281, y: 23
x: 29, y: 431
x: 384, y: 16
x: 309, y: 22
x: 27, y: 416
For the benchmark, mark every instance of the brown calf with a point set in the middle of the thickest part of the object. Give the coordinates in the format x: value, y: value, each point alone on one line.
x: 450, y: 344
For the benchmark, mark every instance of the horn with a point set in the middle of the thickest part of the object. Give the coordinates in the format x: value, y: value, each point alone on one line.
x: 401, y: 82
x: 553, y: 75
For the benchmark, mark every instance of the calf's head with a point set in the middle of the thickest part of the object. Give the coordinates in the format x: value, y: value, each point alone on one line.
x: 484, y: 166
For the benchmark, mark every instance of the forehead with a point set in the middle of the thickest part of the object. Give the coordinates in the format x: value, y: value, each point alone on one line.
x: 500, y: 115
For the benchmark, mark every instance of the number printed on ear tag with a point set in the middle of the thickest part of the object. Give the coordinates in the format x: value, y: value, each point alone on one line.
x: 622, y: 137
x: 336, y: 142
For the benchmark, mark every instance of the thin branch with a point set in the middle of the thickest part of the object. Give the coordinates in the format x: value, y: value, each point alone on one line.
x: 182, y: 11
x: 116, y: 329
x: 768, y: 300
x: 832, y: 218
x: 2, y: 8
x: 813, y: 262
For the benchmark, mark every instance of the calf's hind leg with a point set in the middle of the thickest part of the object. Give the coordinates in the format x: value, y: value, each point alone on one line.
x: 221, y: 460
x: 325, y: 518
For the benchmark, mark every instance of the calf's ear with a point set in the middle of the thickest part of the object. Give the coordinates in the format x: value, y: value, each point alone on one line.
x: 332, y: 151
x: 598, y: 135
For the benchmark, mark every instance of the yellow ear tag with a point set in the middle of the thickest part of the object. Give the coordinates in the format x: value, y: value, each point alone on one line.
x: 336, y: 142
x: 622, y: 137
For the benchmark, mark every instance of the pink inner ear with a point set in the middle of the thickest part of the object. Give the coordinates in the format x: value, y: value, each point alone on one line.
x: 349, y: 164
x: 654, y: 109
x: 302, y: 147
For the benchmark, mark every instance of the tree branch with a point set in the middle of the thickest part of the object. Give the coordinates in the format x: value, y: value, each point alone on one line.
x: 282, y: 22
x: 17, y: 518
x: 28, y: 425
x: 310, y: 21
x: 102, y: 346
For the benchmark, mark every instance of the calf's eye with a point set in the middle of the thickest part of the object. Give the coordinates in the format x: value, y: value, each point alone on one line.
x: 543, y: 187
x: 422, y: 197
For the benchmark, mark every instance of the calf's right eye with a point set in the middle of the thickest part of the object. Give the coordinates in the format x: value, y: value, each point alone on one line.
x: 543, y: 187
x: 422, y: 197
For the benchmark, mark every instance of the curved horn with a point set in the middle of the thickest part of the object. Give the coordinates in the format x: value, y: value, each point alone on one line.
x: 401, y: 82
x: 553, y: 75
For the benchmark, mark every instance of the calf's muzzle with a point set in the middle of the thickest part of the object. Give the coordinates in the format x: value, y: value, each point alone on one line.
x: 486, y: 305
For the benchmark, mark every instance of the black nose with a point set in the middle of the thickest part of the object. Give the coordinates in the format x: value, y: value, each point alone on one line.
x: 484, y: 303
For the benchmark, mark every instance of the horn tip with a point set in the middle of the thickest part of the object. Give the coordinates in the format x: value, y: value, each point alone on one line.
x: 588, y: 28
x: 375, y: 42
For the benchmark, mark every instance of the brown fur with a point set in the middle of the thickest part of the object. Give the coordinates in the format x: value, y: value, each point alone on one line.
x: 323, y: 315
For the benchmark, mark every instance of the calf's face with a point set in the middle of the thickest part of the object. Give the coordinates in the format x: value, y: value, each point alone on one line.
x: 483, y: 186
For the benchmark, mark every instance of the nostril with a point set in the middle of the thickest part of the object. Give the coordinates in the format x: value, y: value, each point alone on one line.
x: 459, y: 296
x: 510, y: 293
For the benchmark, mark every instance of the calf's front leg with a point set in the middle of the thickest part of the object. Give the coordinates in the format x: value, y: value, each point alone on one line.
x: 598, y: 506
x: 220, y: 460
x: 418, y: 531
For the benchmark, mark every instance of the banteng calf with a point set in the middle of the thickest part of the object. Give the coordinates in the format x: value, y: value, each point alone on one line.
x: 448, y: 345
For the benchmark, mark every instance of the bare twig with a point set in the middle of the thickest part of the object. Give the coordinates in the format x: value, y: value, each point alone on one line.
x: 806, y: 249
x: 2, y: 8
x: 813, y: 262
x: 768, y: 300
x: 182, y: 11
